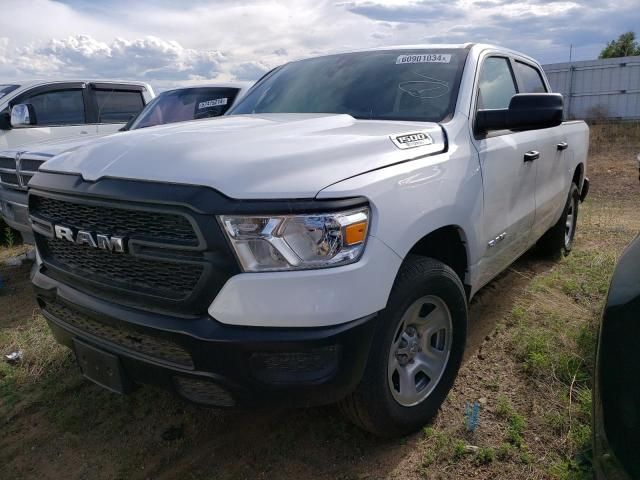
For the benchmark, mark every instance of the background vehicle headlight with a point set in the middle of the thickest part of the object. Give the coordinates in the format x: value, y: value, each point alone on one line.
x: 294, y: 242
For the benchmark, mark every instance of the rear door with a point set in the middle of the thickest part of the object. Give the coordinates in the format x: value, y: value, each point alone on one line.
x: 113, y: 105
x: 508, y: 180
x: 551, y: 175
x: 61, y: 111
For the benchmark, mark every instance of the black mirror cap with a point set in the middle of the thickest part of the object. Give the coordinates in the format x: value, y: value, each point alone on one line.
x: 527, y: 111
x: 530, y: 111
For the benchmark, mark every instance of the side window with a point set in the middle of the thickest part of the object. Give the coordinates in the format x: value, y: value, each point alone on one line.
x: 59, y: 107
x: 496, y: 85
x: 530, y: 78
x: 117, y: 106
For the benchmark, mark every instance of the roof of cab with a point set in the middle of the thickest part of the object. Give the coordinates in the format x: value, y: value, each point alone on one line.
x: 434, y: 46
x: 238, y: 85
x: 25, y: 84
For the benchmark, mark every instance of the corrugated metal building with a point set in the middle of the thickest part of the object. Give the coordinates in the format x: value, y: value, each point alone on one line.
x: 608, y: 88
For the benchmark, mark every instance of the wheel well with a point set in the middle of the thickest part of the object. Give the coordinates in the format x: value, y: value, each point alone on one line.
x: 577, y: 175
x: 447, y: 245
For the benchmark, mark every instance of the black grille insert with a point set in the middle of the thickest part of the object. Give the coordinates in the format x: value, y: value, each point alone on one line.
x: 7, y: 162
x: 167, y: 279
x: 30, y: 165
x: 9, y: 178
x: 120, y: 334
x: 143, y: 224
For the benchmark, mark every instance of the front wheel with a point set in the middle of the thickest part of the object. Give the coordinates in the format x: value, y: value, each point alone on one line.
x: 415, y: 353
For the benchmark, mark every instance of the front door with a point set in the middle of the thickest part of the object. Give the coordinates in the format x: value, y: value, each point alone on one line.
x: 508, y: 174
x: 60, y: 112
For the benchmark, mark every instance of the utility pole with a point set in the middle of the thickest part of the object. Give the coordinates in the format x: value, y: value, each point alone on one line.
x: 570, y: 93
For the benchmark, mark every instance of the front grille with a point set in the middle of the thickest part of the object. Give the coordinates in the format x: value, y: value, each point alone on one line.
x: 30, y: 165
x: 173, y: 280
x: 142, y: 224
x: 17, y: 173
x: 120, y: 334
x: 176, y: 256
x: 8, y: 162
x: 9, y: 179
x: 28, y: 168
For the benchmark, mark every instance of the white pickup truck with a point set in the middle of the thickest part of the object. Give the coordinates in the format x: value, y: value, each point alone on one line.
x: 19, y: 164
x: 318, y: 244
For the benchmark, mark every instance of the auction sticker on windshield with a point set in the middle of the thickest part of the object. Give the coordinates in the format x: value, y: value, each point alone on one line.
x: 424, y: 58
x: 213, y: 103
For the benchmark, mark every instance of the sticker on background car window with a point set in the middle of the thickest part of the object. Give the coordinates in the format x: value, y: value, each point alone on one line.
x: 213, y: 103
x: 424, y: 58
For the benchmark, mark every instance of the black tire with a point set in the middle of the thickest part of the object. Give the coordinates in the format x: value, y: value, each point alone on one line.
x: 555, y: 243
x: 372, y: 406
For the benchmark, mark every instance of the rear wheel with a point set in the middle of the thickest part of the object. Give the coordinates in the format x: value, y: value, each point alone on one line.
x: 558, y: 240
x: 416, y: 351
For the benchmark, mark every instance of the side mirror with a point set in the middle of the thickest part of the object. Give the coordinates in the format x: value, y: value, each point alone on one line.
x: 5, y: 120
x: 527, y: 111
x: 23, y: 115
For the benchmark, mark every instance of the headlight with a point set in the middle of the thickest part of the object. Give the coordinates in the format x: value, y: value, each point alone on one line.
x: 294, y: 242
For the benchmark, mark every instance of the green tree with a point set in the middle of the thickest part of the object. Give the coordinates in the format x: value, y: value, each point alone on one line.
x: 625, y: 46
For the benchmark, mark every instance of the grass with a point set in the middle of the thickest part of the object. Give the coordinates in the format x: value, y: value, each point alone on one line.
x: 8, y: 236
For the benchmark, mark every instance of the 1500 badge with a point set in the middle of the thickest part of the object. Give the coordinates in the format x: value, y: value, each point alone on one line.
x: 411, y: 140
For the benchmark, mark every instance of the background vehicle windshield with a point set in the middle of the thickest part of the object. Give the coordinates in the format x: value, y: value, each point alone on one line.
x: 390, y: 84
x: 185, y: 104
x: 4, y: 89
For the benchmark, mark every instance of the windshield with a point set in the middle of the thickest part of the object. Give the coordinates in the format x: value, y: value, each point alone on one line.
x: 389, y: 84
x: 185, y: 104
x: 4, y: 89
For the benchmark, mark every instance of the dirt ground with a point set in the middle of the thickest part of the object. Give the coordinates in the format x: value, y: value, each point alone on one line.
x: 57, y: 425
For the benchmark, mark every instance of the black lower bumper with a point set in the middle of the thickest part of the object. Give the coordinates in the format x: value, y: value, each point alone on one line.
x: 208, y: 362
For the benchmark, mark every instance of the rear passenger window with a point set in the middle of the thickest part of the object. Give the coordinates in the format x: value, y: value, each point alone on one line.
x: 530, y: 78
x: 496, y: 86
x: 117, y: 106
x: 60, y: 107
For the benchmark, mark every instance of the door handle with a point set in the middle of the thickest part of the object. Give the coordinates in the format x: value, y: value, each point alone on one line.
x: 563, y: 146
x: 531, y: 156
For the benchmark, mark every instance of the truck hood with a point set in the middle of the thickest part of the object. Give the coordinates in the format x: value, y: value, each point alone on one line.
x: 50, y: 148
x: 253, y: 156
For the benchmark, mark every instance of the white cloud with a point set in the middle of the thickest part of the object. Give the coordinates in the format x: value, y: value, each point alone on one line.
x: 148, y: 57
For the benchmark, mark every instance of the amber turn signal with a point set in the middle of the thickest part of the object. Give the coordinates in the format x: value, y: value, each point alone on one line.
x: 355, y: 233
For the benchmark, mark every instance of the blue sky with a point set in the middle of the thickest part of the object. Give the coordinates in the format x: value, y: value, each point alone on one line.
x: 171, y: 43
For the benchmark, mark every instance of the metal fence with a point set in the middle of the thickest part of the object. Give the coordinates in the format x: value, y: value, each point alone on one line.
x: 598, y: 89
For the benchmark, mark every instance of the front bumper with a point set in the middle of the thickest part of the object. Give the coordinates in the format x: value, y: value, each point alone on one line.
x: 15, y: 212
x: 210, y: 363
